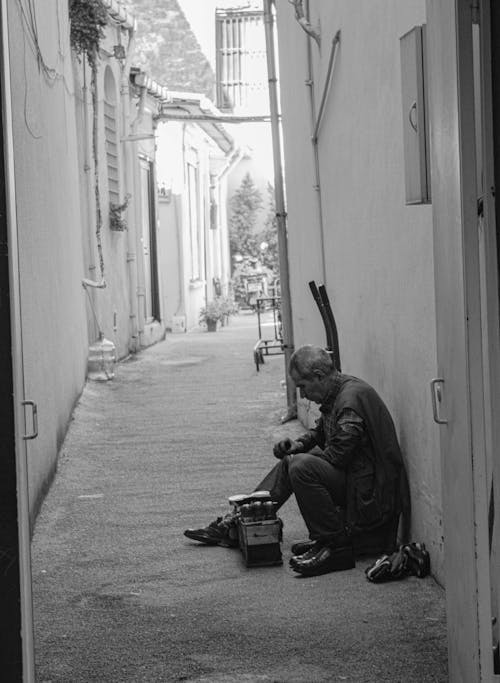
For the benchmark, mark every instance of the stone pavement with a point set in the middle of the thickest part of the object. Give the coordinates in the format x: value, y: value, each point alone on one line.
x: 120, y: 595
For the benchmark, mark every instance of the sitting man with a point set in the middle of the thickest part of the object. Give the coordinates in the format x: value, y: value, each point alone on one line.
x: 347, y: 473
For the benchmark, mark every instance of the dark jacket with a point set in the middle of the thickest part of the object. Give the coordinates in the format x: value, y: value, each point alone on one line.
x: 366, y: 447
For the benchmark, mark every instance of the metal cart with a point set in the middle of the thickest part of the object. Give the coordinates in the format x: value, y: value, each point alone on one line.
x: 272, y: 346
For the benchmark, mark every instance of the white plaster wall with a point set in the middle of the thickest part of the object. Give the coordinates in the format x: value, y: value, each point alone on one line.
x: 113, y: 302
x: 120, y: 304
x: 378, y: 251
x: 183, y: 295
x: 170, y: 259
x: 170, y: 173
x: 196, y: 289
x: 223, y: 238
x: 49, y: 231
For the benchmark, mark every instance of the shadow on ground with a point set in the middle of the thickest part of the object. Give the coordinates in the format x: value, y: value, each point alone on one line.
x: 122, y: 596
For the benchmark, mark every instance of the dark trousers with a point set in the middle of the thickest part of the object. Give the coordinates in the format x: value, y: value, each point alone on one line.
x: 319, y: 489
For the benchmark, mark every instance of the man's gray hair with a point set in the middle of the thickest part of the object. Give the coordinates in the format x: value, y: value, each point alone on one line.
x: 309, y: 359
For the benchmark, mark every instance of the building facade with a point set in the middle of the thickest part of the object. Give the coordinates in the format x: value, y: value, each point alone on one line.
x: 388, y: 113
x: 195, y: 154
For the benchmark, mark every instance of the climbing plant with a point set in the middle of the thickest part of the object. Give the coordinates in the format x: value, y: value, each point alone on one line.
x: 116, y: 221
x: 87, y: 21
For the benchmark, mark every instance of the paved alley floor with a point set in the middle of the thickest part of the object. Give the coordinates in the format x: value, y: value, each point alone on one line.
x: 120, y: 595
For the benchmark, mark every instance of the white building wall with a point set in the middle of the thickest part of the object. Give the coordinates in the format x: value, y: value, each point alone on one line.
x: 49, y: 230
x: 143, y: 151
x: 119, y: 305
x: 378, y: 252
x: 170, y: 169
x: 183, y: 294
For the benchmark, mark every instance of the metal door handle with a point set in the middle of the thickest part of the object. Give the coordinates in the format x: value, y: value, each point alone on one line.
x: 436, y: 397
x: 413, y: 123
x: 34, y: 413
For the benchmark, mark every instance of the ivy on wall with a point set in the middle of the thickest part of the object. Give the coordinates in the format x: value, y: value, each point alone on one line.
x: 88, y: 18
x: 87, y: 21
x: 116, y: 221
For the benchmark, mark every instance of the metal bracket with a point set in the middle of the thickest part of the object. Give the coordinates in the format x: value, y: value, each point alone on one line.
x: 34, y: 413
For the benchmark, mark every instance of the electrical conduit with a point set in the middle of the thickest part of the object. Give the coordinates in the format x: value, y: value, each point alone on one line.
x: 286, y: 307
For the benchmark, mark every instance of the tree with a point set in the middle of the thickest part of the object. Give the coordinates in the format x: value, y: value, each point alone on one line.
x: 269, y: 235
x: 245, y: 205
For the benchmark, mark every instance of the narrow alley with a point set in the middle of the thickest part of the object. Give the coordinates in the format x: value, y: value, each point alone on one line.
x: 120, y: 595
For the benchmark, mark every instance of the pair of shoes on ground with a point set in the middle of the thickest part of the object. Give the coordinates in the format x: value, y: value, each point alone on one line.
x: 310, y: 558
x: 318, y: 558
x: 220, y: 532
x: 411, y: 559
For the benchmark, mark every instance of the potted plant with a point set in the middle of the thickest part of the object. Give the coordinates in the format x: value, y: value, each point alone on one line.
x: 228, y: 308
x: 210, y: 314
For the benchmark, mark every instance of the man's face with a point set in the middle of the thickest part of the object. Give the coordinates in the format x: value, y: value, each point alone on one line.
x: 314, y: 389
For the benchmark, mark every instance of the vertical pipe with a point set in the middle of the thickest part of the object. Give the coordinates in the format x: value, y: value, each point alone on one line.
x: 317, y: 175
x: 128, y: 170
x: 286, y: 305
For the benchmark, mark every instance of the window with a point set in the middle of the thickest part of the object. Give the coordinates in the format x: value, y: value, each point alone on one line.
x: 241, y: 61
x: 111, y: 136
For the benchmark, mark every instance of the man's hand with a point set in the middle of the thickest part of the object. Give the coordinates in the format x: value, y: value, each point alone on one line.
x: 286, y: 447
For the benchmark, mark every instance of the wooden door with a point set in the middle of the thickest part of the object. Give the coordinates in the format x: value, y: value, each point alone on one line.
x: 467, y: 351
x: 148, y: 241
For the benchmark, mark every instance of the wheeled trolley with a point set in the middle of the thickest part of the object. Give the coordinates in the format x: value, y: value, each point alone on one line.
x: 273, y: 345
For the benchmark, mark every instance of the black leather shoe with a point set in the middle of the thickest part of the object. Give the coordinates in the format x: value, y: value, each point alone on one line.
x: 313, y: 548
x: 326, y: 559
x: 302, y: 547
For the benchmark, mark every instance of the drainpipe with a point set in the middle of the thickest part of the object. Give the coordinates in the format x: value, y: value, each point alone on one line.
x: 315, y: 126
x: 286, y: 306
x: 317, y: 181
x: 90, y: 181
x: 128, y: 176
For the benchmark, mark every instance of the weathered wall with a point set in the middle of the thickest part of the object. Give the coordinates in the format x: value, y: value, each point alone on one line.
x: 183, y: 293
x: 170, y: 171
x: 150, y: 330
x: 378, y: 251
x: 49, y: 230
x: 119, y: 305
x: 111, y: 303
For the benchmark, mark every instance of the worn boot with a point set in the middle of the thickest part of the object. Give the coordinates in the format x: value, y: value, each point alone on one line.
x: 220, y: 532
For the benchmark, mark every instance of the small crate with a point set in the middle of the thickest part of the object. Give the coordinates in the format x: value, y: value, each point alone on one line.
x: 260, y: 542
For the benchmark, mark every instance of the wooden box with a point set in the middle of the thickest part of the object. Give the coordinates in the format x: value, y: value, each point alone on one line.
x: 260, y: 542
